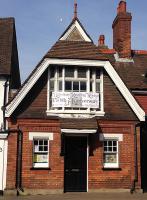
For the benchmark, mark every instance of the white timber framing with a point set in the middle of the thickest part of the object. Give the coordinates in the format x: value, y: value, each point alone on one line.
x: 79, y: 28
x: 77, y: 62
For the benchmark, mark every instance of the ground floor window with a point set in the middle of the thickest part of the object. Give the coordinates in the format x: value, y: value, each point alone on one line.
x: 110, y: 153
x: 40, y: 153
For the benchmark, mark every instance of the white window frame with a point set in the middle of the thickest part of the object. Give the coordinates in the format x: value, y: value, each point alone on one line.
x: 41, y: 164
x: 111, y: 136
x: 87, y: 79
x: 40, y: 136
x: 111, y: 165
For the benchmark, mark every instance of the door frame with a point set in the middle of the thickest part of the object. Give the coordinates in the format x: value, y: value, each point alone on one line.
x: 78, y: 135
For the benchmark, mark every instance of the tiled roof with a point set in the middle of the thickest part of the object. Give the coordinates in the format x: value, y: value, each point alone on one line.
x: 133, y: 74
x: 75, y: 50
x: 6, y: 38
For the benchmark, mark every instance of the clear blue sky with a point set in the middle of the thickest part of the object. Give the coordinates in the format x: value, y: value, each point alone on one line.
x: 39, y: 24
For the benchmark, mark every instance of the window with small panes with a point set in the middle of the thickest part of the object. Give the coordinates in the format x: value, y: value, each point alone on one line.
x: 78, y: 81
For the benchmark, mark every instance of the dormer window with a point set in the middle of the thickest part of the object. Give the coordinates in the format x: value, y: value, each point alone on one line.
x: 74, y: 89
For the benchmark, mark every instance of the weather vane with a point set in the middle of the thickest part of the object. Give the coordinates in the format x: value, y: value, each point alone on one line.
x: 75, y: 9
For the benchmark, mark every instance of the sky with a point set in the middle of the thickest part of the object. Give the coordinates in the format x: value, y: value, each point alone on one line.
x: 40, y: 23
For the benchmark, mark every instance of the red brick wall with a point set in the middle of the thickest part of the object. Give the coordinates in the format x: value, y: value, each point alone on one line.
x: 54, y: 178
x: 11, y: 163
x: 123, y: 178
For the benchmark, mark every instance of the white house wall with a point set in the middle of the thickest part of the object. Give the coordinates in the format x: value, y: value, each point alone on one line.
x: 2, y: 82
x: 3, y: 163
x: 3, y: 140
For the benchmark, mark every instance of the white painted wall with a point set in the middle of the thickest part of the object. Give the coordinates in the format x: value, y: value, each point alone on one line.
x: 3, y: 162
x: 2, y: 82
x: 3, y: 141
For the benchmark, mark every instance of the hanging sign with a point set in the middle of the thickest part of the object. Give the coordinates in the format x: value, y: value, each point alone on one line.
x: 75, y: 99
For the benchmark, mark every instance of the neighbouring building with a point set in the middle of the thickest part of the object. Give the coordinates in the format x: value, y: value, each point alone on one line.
x: 78, y: 120
x: 9, y: 83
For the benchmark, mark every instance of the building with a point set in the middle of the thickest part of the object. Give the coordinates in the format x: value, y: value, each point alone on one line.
x: 75, y: 124
x: 9, y: 83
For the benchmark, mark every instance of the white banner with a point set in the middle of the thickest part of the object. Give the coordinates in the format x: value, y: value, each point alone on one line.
x: 75, y: 99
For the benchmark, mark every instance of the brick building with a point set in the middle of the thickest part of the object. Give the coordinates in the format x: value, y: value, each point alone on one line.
x: 77, y: 122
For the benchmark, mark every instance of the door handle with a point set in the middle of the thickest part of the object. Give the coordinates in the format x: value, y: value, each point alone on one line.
x: 75, y: 170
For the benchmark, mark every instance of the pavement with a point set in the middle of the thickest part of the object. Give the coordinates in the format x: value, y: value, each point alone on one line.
x: 81, y: 196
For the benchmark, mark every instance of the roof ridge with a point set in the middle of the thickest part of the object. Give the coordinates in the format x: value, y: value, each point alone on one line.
x: 139, y: 52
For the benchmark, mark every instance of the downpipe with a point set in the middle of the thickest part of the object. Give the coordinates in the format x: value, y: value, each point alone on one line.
x: 19, y: 187
x: 133, y: 188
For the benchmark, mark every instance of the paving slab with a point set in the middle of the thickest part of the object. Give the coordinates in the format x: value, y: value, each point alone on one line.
x: 81, y: 196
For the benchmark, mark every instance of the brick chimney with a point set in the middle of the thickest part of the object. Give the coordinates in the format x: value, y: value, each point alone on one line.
x: 122, y: 31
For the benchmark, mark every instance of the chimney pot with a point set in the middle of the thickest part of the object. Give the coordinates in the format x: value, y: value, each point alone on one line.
x: 122, y: 7
x: 101, y: 40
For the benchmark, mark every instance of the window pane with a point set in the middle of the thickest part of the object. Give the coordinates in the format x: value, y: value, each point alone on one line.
x: 52, y: 72
x: 97, y: 73
x: 52, y: 85
x: 110, y: 149
x: 110, y: 158
x: 114, y: 143
x: 81, y: 72
x: 60, y: 71
x: 45, y: 148
x: 97, y: 87
x: 109, y: 143
x: 40, y: 158
x: 68, y: 85
x: 40, y: 142
x: 45, y: 142
x: 40, y: 148
x: 75, y: 86
x: 69, y: 72
x: 60, y: 85
x: 114, y: 149
x: 91, y: 86
x: 83, y: 86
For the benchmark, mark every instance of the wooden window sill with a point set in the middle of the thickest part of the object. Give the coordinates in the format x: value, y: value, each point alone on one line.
x: 111, y: 168
x: 40, y: 168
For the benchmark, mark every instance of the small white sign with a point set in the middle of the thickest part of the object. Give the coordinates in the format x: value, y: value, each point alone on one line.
x: 75, y: 99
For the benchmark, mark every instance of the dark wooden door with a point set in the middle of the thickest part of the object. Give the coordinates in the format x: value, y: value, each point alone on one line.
x: 75, y: 179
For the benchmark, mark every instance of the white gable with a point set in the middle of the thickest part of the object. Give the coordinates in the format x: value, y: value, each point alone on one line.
x: 107, y: 66
x: 76, y: 26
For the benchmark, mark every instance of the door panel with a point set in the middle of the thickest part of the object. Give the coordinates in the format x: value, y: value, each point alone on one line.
x: 75, y: 164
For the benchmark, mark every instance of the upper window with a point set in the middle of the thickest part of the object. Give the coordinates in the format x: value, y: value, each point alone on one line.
x: 40, y: 153
x: 75, y: 89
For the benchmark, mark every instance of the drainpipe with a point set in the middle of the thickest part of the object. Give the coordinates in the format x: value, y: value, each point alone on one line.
x: 19, y: 159
x: 135, y: 161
